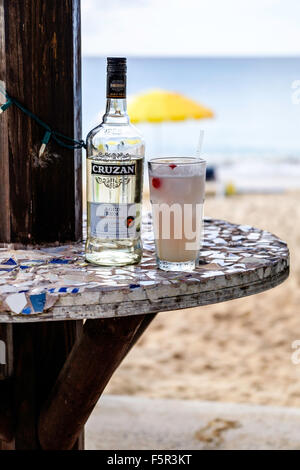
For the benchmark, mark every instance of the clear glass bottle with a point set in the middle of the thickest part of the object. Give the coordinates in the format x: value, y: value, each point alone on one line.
x: 115, y: 161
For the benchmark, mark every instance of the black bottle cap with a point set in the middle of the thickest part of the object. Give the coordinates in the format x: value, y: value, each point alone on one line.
x: 116, y: 64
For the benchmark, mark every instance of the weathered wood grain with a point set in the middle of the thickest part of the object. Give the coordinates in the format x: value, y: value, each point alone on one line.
x: 4, y: 152
x: 40, y: 66
x: 6, y: 351
x: 90, y: 365
x: 7, y: 445
x: 6, y: 386
x: 40, y: 351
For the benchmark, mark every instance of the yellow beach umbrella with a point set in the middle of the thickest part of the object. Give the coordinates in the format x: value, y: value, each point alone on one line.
x: 160, y: 105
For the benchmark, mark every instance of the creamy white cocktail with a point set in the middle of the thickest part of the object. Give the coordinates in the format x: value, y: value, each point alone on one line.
x: 177, y: 188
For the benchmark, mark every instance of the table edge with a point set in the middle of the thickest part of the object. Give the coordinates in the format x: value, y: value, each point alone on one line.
x: 137, y: 307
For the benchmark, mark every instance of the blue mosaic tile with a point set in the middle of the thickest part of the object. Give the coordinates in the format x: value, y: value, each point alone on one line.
x: 38, y: 302
x: 26, y: 311
x: 59, y: 261
x: 11, y: 261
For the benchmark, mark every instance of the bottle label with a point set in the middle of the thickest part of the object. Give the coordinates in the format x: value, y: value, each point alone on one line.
x: 113, y: 221
x: 112, y: 175
x: 106, y: 169
x: 116, y: 86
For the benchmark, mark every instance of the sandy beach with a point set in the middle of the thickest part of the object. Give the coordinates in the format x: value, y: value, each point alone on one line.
x: 238, y: 351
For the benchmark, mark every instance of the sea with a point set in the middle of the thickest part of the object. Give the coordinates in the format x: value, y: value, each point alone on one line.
x: 254, y: 138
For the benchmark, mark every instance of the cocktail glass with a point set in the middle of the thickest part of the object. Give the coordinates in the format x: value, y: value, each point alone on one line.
x: 177, y: 190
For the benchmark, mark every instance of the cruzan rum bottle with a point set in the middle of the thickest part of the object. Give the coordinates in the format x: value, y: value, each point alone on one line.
x: 115, y: 161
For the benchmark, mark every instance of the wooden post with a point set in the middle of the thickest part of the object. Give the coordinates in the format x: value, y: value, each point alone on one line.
x: 40, y: 350
x: 6, y: 388
x: 103, y: 345
x: 40, y: 65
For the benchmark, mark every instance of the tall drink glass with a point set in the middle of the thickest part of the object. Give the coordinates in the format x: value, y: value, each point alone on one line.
x: 177, y: 190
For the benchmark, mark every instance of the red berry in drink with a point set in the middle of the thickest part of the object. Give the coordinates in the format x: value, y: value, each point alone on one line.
x: 172, y: 166
x: 156, y: 183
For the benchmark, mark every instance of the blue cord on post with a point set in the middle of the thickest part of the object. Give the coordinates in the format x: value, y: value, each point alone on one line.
x: 5, y: 106
x: 60, y: 139
x: 45, y: 142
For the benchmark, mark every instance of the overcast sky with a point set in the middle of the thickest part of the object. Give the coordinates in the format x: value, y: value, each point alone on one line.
x: 190, y: 27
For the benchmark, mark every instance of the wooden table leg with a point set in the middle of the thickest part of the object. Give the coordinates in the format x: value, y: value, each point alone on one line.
x: 6, y: 388
x: 103, y: 345
x: 39, y: 352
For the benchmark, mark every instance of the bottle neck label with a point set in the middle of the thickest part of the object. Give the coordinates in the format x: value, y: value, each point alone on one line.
x: 116, y: 86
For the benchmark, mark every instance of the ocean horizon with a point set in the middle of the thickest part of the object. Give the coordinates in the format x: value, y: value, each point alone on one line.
x: 255, y: 117
x: 251, y: 99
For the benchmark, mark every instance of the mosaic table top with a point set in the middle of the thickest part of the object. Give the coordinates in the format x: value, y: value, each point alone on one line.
x: 57, y: 284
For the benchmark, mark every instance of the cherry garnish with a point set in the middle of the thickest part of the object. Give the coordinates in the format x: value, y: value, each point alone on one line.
x: 156, y: 183
x: 172, y: 166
